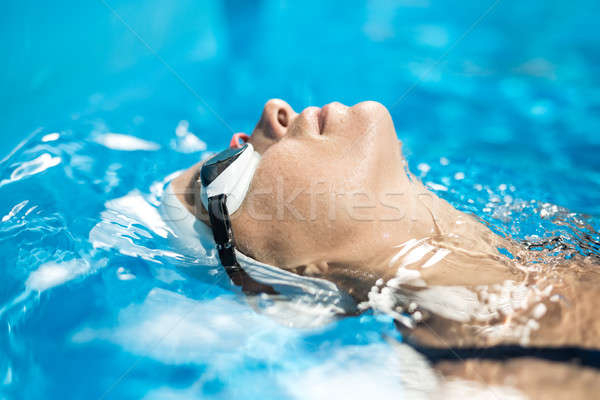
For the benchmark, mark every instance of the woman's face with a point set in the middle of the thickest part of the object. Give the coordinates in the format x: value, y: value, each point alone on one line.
x: 329, y: 187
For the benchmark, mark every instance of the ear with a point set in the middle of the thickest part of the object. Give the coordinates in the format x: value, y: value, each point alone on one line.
x: 315, y: 269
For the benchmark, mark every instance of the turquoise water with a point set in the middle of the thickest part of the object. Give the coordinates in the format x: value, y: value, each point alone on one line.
x: 504, y: 123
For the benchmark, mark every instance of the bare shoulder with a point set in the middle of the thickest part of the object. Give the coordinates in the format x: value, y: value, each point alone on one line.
x: 559, y: 307
x: 536, y: 378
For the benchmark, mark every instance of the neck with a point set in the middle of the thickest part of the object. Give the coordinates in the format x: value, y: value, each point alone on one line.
x: 439, y: 245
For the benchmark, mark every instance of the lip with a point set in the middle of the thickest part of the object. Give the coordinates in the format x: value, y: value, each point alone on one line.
x: 311, y: 116
x: 326, y: 111
x: 322, y: 116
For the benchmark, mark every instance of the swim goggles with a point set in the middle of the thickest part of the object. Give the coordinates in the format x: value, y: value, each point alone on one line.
x: 224, y: 182
x: 225, y: 179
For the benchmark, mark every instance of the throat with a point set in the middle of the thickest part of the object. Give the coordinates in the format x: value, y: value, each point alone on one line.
x: 436, y: 244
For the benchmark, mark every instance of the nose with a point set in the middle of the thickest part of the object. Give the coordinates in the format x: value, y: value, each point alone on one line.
x: 276, y: 117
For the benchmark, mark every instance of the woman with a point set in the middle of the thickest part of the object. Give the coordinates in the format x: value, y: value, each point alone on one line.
x: 327, y: 194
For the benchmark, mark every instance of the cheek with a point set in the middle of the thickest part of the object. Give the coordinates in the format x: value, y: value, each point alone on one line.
x: 319, y: 186
x: 304, y: 200
x: 285, y: 218
x: 287, y: 192
x: 260, y: 142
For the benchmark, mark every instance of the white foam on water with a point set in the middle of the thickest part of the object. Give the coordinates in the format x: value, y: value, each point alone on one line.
x: 186, y: 141
x: 456, y: 303
x: 437, y: 187
x: 52, y: 274
x: 375, y: 371
x: 8, y: 378
x: 380, y: 371
x: 50, y: 137
x: 297, y: 312
x: 33, y: 167
x: 119, y: 141
x: 15, y: 210
x: 362, y: 372
x: 174, y: 329
x: 49, y: 275
x: 124, y: 274
x: 424, y: 168
x: 221, y: 333
x: 128, y: 217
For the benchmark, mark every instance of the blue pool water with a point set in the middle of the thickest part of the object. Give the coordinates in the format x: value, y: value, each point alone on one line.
x: 99, y: 107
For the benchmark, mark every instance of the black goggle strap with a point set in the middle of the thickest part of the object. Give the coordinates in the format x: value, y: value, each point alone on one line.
x: 223, y: 235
